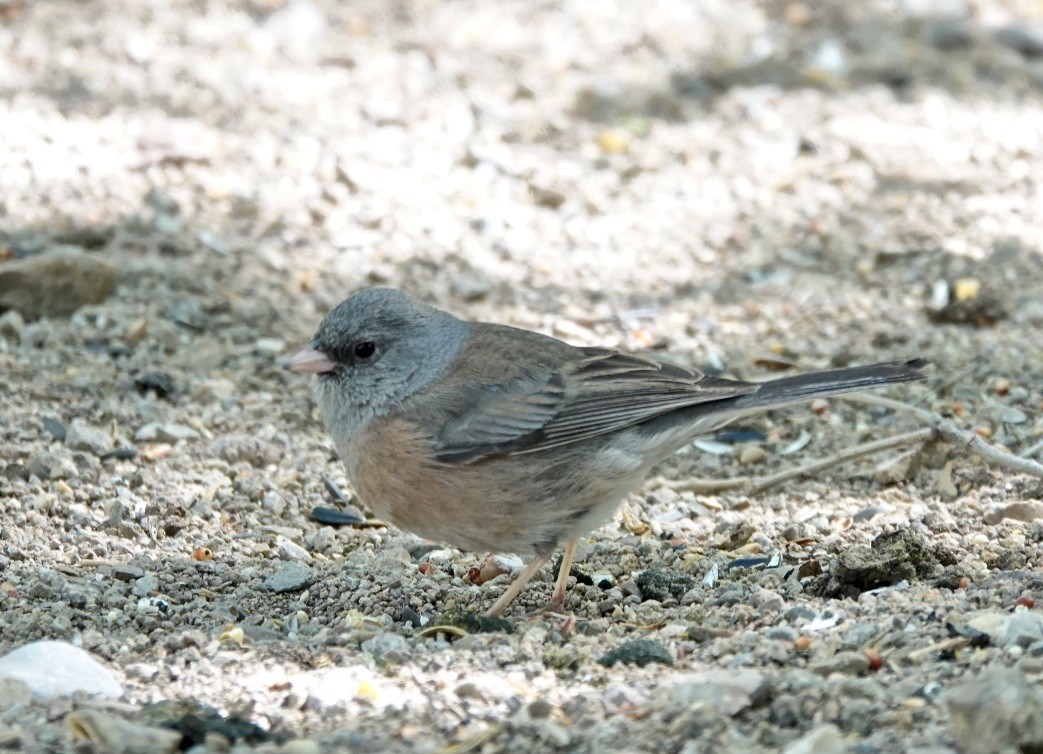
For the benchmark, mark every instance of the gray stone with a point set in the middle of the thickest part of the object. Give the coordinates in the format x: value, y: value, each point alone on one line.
x: 726, y: 692
x: 57, y: 668
x: 11, y: 325
x: 301, y: 746
x: 127, y: 572
x: 387, y: 649
x: 13, y: 692
x: 638, y: 652
x: 81, y: 436
x: 1025, y: 38
x: 554, y: 733
x: 992, y: 623
x: 1027, y: 511
x: 999, y: 711
x: 53, y: 426
x: 167, y: 225
x: 1024, y: 629
x: 861, y: 634
x: 950, y: 34
x: 145, y: 585
x: 109, y: 733
x: 470, y: 289
x: 800, y: 614
x: 235, y: 448
x: 826, y: 739
x: 782, y: 633
x: 55, y: 283
x: 291, y: 577
x: 47, y: 465
x: 933, y: 8
x: 848, y: 663
x: 156, y: 432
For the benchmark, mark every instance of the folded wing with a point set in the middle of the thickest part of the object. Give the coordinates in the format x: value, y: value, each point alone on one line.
x: 601, y: 392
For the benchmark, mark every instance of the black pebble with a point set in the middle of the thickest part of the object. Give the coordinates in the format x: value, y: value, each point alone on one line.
x: 159, y: 383
x: 333, y: 517
x: 638, y: 652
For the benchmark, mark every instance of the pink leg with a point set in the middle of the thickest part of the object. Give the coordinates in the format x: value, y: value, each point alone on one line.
x: 557, y: 599
x: 517, y: 585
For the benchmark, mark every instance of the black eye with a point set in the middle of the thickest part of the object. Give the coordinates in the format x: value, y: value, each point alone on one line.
x: 365, y: 349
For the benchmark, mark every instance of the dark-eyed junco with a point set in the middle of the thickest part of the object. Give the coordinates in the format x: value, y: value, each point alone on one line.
x: 497, y: 439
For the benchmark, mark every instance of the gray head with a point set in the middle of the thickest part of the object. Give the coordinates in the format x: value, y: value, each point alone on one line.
x: 373, y: 351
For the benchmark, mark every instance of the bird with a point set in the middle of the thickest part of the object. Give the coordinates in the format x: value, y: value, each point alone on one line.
x: 492, y: 438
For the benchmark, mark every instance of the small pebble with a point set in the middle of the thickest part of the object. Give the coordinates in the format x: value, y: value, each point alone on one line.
x: 270, y: 346
x: 127, y: 572
x: 638, y: 652
x: 47, y: 465
x: 159, y: 383
x: 171, y: 433
x: 145, y: 585
x: 291, y: 577
x: 81, y: 436
x: 55, y: 428
x: 752, y: 454
x: 850, y: 663
x: 387, y: 649
x: 823, y: 740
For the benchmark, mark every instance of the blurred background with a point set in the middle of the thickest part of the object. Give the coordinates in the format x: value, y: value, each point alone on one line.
x: 605, y: 154
x: 187, y: 187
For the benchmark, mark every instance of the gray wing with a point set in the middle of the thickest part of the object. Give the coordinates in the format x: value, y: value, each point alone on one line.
x: 601, y: 392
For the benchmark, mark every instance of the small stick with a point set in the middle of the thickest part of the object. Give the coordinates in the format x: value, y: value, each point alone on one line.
x: 474, y: 741
x: 759, y: 484
x: 952, y: 434
x: 939, y: 428
x: 1032, y: 450
x: 848, y: 454
x: 956, y: 642
x: 707, y: 486
x: 451, y: 630
x: 927, y: 417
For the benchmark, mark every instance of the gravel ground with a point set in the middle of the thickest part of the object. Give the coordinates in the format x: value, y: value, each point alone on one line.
x: 187, y: 187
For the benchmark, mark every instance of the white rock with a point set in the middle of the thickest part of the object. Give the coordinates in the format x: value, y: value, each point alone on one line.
x: 290, y: 550
x: 341, y: 687
x: 270, y: 346
x: 57, y: 668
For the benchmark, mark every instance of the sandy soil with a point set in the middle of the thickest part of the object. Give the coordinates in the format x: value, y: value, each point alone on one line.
x: 735, y: 185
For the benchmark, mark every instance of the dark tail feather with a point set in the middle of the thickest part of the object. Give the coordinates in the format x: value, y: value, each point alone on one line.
x: 803, y: 387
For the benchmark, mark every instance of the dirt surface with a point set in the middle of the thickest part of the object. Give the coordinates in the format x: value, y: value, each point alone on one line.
x: 187, y: 187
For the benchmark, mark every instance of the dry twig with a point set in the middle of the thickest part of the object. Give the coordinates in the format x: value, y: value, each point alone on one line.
x: 1031, y: 451
x: 938, y: 428
x: 950, y: 433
